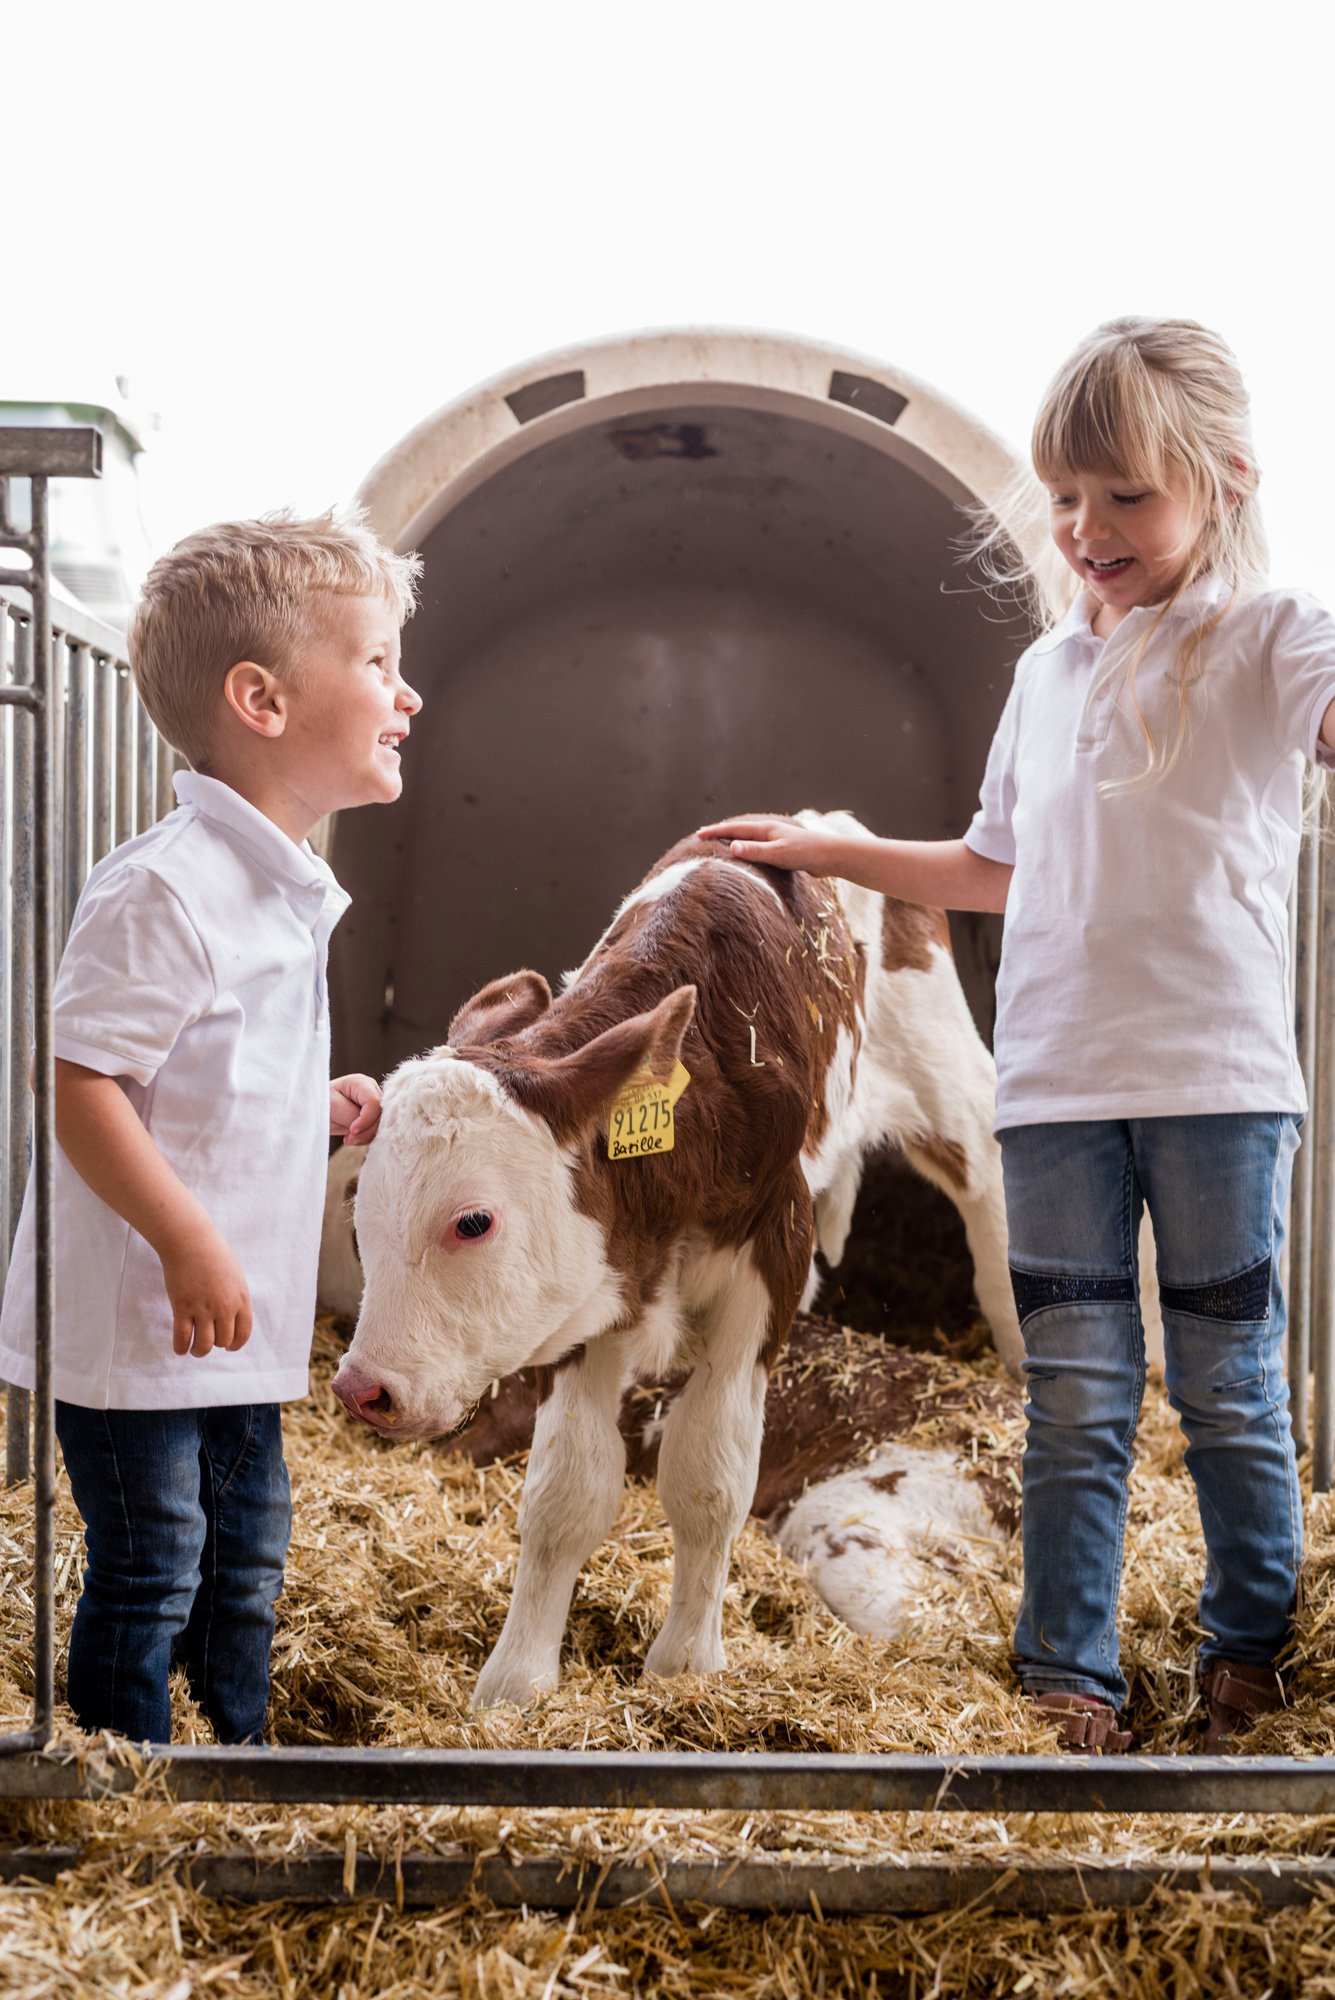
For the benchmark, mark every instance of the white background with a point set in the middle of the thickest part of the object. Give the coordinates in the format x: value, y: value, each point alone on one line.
x: 299, y: 229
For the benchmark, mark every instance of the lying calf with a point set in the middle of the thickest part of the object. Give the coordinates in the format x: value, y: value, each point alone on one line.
x: 632, y: 1180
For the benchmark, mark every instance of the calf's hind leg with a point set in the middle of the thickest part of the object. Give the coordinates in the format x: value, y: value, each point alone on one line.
x: 707, y: 1467
x: 575, y: 1474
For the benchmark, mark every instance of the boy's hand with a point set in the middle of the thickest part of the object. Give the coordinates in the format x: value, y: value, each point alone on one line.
x: 777, y: 842
x: 354, y: 1109
x: 209, y: 1298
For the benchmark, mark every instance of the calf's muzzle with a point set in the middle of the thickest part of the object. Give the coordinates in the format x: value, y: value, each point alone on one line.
x: 363, y: 1398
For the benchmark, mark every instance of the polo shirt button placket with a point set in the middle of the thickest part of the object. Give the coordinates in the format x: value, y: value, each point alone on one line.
x: 312, y: 897
x: 1093, y: 725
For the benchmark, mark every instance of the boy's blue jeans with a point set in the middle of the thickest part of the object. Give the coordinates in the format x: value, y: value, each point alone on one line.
x: 1216, y: 1189
x: 187, y: 1519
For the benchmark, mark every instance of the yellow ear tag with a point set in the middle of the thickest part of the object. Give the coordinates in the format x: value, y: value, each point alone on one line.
x: 639, y: 1118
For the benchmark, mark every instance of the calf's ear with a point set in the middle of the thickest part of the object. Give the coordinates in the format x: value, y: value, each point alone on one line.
x: 573, y: 1092
x: 506, y: 1007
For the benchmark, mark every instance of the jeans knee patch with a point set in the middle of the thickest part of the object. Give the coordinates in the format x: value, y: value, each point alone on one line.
x: 1035, y: 1291
x: 1241, y: 1299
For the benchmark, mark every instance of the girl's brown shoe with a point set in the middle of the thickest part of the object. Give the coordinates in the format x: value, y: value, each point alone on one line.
x: 1085, y: 1723
x: 1236, y: 1692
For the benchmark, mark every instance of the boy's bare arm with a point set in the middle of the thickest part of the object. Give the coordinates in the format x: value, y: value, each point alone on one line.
x: 108, y: 1147
x: 942, y: 874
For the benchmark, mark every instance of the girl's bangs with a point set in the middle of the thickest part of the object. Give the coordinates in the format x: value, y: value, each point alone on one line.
x: 1102, y: 423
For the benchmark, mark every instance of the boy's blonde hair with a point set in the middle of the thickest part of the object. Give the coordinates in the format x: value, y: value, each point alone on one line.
x: 1139, y: 400
x: 248, y: 590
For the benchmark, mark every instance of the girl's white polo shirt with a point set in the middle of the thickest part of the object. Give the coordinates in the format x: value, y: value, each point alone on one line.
x: 195, y: 975
x: 1145, y: 967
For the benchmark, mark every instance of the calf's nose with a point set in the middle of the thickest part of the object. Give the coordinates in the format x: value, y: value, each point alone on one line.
x: 362, y: 1397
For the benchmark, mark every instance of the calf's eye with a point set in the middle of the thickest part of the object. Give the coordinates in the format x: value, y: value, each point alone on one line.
x: 476, y: 1223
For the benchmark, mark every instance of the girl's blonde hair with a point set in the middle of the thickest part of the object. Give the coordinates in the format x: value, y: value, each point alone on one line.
x: 1142, y: 400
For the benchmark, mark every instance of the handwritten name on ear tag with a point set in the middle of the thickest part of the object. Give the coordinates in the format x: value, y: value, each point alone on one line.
x: 639, y: 1118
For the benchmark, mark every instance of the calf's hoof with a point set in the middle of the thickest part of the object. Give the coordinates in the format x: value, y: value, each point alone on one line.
x: 700, y: 1653
x: 517, y: 1683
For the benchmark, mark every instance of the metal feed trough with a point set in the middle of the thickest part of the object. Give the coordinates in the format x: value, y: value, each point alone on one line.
x: 81, y: 770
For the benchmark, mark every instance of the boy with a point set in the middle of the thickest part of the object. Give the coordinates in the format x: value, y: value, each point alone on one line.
x: 193, y: 1107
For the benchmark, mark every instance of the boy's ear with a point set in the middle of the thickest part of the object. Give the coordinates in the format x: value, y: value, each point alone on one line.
x: 256, y: 698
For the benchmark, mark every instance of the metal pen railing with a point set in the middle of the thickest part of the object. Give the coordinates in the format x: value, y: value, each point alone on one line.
x: 34, y: 702
x: 111, y: 778
x: 81, y: 770
x: 1311, y: 1290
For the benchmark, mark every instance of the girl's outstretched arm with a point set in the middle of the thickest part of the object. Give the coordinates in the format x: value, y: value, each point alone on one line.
x: 943, y: 874
x: 1328, y: 727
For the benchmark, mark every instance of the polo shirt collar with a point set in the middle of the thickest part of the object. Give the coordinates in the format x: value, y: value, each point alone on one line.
x: 1074, y: 625
x: 1196, y: 603
x: 295, y: 867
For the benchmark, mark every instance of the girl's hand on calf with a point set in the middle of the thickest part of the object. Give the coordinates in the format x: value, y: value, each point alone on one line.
x: 776, y: 841
x: 354, y: 1109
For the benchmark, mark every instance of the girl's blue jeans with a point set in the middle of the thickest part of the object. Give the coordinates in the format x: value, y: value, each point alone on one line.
x: 1216, y: 1189
x: 187, y: 1519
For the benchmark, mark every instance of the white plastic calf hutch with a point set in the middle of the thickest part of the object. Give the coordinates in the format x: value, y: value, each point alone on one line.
x: 671, y: 576
x: 666, y: 577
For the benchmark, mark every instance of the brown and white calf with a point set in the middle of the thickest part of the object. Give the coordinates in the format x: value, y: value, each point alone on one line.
x: 816, y: 1021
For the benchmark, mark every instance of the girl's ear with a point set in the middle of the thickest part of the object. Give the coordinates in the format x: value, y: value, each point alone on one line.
x: 1244, y: 471
x: 256, y: 698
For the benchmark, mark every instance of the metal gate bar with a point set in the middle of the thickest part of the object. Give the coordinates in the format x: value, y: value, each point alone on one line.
x: 17, y: 974
x: 35, y: 699
x: 12, y: 1035
x: 1323, y: 1183
x: 695, y: 1780
x: 104, y: 790
x: 1306, y: 955
x: 40, y: 455
x: 816, y: 1887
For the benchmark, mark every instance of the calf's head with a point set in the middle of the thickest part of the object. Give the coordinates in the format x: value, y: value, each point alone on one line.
x: 475, y: 1256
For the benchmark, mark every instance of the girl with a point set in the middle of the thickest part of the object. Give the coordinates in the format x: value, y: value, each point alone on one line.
x: 1139, y: 826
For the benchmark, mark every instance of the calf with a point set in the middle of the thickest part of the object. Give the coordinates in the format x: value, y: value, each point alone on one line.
x: 814, y: 1020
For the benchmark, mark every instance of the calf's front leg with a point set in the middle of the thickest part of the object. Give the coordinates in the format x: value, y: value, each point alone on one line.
x: 707, y: 1467
x: 575, y: 1473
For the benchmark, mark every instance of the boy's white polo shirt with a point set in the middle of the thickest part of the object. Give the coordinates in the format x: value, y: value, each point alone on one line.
x: 1145, y: 966
x: 195, y: 974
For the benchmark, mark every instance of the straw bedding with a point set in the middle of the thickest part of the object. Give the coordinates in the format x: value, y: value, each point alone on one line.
x: 397, y: 1585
